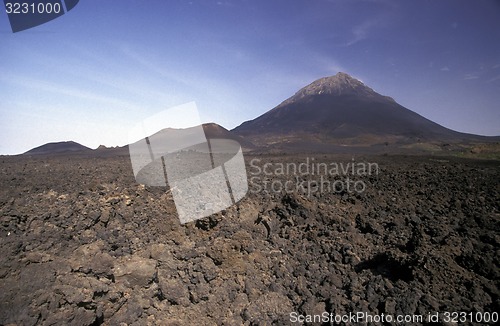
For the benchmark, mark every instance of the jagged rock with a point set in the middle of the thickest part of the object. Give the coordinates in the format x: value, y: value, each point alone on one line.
x: 92, y: 258
x: 134, y: 271
x: 270, y: 308
x: 174, y: 291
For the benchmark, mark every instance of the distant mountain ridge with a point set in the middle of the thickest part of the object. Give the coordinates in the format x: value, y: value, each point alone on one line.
x: 212, y: 131
x: 331, y: 114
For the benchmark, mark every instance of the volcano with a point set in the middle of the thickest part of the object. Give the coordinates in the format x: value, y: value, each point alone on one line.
x: 342, y: 111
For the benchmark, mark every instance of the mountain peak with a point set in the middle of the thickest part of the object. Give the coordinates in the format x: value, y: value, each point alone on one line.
x: 339, y: 84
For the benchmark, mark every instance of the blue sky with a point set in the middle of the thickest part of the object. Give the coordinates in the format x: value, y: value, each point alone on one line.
x: 91, y: 74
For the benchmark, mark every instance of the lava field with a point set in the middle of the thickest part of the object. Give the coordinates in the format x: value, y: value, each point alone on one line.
x: 83, y: 244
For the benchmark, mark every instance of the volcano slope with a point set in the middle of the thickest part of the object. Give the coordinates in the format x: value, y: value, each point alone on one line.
x: 83, y: 244
x: 339, y: 113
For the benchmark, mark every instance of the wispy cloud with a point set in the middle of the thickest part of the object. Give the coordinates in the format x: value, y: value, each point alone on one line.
x: 494, y: 79
x: 225, y: 3
x: 470, y: 76
x: 61, y: 90
x: 445, y: 68
x: 213, y: 94
x: 360, y: 32
x: 95, y: 77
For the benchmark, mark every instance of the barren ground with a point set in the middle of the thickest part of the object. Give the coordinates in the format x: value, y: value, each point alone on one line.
x: 83, y: 244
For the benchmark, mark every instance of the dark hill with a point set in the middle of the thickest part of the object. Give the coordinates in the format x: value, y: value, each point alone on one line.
x: 65, y: 147
x: 212, y: 131
x: 215, y: 131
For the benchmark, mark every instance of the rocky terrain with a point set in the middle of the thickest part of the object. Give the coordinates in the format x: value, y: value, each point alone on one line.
x: 83, y: 244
